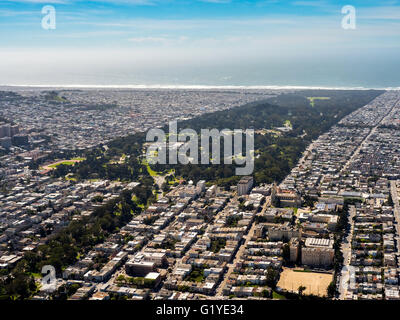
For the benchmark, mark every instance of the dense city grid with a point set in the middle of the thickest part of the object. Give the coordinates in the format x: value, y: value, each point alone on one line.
x: 198, y: 241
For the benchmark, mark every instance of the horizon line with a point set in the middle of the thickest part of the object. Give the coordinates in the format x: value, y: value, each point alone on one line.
x: 193, y: 87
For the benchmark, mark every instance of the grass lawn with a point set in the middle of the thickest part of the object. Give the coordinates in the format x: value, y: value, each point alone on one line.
x: 70, y: 177
x: 288, y: 124
x: 67, y: 163
x: 312, y: 100
x: 36, y: 275
x: 64, y: 162
x: 276, y: 295
x: 135, y: 199
x: 176, y: 180
x: 151, y: 172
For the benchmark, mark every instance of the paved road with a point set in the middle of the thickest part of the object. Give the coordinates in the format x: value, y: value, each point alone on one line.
x: 305, y: 153
x: 372, y: 131
x: 346, y: 249
x: 240, y: 251
x: 395, y: 198
x: 302, y: 160
x: 344, y: 275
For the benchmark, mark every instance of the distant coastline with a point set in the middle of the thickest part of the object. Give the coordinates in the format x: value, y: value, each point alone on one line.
x: 189, y: 87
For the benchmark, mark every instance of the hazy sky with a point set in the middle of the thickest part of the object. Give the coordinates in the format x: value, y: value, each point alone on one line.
x: 209, y: 42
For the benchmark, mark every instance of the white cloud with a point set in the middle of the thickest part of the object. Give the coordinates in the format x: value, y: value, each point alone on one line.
x: 41, y: 1
x: 216, y: 1
x: 11, y: 13
x: 379, y: 13
x: 310, y: 3
x: 148, y: 39
x: 162, y: 40
x: 131, y: 2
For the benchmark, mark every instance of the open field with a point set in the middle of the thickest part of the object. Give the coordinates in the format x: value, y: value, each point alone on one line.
x: 65, y: 162
x: 312, y: 99
x: 315, y: 283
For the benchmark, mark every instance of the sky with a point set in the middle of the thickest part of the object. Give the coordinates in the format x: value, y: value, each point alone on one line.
x: 200, y: 42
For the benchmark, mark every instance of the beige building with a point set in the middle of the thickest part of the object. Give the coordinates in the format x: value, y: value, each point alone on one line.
x: 294, y: 249
x: 317, y: 252
x: 285, y: 198
x: 244, y: 186
x: 285, y: 233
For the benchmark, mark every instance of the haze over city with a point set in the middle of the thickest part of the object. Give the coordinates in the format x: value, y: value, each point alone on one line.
x: 151, y: 42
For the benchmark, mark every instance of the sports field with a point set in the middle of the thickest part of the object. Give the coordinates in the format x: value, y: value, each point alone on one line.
x: 65, y: 162
x: 315, y: 283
